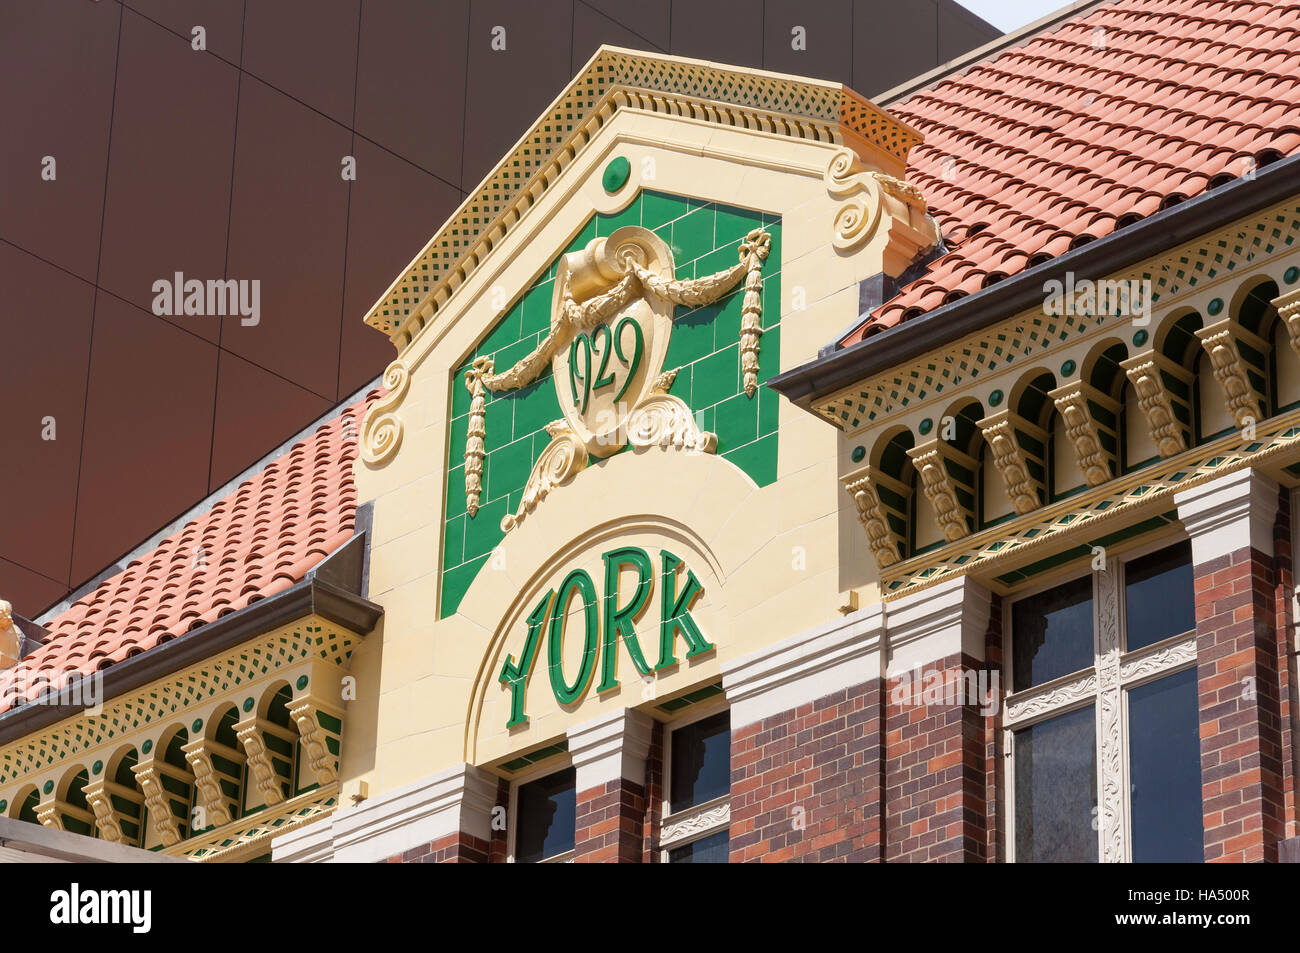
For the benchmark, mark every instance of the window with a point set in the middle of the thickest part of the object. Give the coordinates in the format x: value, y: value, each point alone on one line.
x: 545, y: 813
x: 698, y: 806
x: 1102, y: 723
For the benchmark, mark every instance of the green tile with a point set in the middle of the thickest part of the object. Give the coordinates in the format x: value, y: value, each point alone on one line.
x: 737, y: 422
x: 757, y: 459
x: 509, y: 355
x: 692, y: 338
x: 504, y: 334
x: 716, y: 377
x: 453, y: 542
x: 456, y: 486
x: 535, y: 406
x: 459, y: 430
x: 769, y: 354
x: 768, y: 407
x: 726, y: 326
x: 508, y: 468
x: 455, y: 582
x: 693, y: 235
x: 704, y: 419
x: 658, y: 209
x: 606, y: 224
x: 771, y: 299
x: 734, y: 224
x: 460, y: 396
x: 499, y: 422
x: 579, y: 242
x: 681, y: 383
x: 720, y: 259
x: 537, y: 309
x: 483, y: 529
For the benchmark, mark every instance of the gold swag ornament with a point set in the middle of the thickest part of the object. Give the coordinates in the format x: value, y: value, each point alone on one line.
x: 611, y: 319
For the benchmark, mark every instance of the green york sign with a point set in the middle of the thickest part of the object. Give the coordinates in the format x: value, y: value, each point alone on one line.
x: 605, y: 621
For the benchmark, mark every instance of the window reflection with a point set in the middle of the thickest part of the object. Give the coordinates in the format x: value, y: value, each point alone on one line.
x: 1052, y: 634
x: 1159, y: 597
x: 1056, y: 789
x: 1165, y: 772
x: 545, y: 816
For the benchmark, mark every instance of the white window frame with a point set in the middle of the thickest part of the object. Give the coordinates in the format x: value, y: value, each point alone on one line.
x: 536, y: 773
x: 1105, y: 686
x: 702, y: 820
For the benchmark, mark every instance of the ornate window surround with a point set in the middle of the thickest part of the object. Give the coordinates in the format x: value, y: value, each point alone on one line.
x: 1104, y: 687
x: 702, y: 820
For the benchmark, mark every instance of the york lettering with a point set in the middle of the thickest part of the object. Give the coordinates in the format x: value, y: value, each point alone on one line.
x: 605, y: 621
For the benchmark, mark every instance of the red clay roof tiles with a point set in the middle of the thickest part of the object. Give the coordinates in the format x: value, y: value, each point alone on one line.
x: 258, y: 540
x: 1115, y: 114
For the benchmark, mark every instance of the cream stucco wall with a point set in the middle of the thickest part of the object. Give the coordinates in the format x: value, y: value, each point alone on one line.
x: 774, y: 561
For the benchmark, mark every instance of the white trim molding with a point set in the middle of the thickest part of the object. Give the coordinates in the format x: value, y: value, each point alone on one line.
x: 451, y: 802
x: 811, y: 665
x: 937, y: 622
x: 1229, y: 513
x: 610, y: 747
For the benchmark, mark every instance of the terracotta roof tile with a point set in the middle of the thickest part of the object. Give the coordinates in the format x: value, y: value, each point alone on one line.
x: 258, y: 540
x: 1076, y: 133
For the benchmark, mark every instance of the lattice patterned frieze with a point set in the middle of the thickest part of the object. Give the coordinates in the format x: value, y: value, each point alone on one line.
x: 1231, y: 250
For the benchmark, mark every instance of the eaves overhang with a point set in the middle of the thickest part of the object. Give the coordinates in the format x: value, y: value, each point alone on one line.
x: 838, y: 368
x: 312, y: 596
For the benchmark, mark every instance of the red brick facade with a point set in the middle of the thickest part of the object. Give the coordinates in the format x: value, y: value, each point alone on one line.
x: 609, y: 824
x: 1238, y: 684
x: 935, y: 773
x: 805, y: 784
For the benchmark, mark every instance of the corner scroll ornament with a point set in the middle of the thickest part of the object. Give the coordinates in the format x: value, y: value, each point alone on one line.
x: 1288, y: 309
x: 1220, y: 341
x: 611, y: 319
x: 952, y: 518
x: 873, y: 201
x: 1023, y: 490
x: 1156, y: 403
x: 883, y: 541
x: 381, y: 431
x: 160, y: 815
x: 318, y: 756
x: 101, y: 803
x: 1095, y: 463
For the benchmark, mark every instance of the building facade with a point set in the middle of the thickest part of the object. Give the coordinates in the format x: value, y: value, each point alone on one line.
x: 766, y: 474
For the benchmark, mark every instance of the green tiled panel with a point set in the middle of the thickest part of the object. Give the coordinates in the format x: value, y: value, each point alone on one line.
x: 705, y: 238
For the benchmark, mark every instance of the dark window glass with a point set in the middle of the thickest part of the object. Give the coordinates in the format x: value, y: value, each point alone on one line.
x: 1056, y: 789
x: 706, y: 850
x: 1052, y: 634
x: 701, y: 762
x: 1165, y: 770
x: 1159, y: 600
x: 545, y: 814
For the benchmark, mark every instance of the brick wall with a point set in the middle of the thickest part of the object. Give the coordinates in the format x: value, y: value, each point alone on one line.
x: 609, y: 823
x: 935, y: 758
x: 1238, y: 683
x: 805, y: 784
x: 463, y: 848
x: 654, y: 796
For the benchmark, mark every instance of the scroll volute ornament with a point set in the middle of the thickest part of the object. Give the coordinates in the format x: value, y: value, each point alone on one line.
x: 954, y: 520
x: 1074, y: 401
x: 1025, y: 491
x: 862, y: 486
x: 1222, y: 342
x: 1288, y: 309
x: 875, y: 205
x: 1146, y: 372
